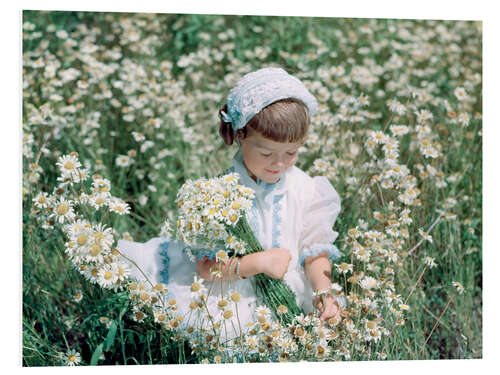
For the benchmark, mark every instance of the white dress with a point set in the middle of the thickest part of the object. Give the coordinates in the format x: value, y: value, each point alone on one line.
x: 296, y: 213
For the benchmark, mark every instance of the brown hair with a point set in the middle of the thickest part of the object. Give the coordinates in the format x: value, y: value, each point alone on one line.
x: 285, y: 121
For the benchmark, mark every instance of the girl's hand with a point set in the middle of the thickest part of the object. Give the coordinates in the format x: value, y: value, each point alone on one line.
x: 331, y: 308
x: 274, y: 262
x: 204, y: 267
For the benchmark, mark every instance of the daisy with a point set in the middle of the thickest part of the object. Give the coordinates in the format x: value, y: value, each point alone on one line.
x: 464, y: 119
x: 63, y: 211
x: 429, y: 262
x: 123, y: 161
x: 425, y: 235
x: 95, y: 252
x: 72, y: 358
x: 423, y: 115
x: 103, y: 235
x: 137, y: 315
x: 160, y: 317
x: 107, y: 275
x: 68, y: 164
x: 123, y: 270
x: 99, y: 200
x: 119, y: 206
x: 263, y: 311
x: 459, y: 287
x: 362, y: 254
x: 101, y: 185
x: 77, y: 297
x: 41, y: 200
x: 460, y: 94
x: 378, y: 136
x: 344, y: 268
x: 368, y: 283
x: 197, y: 287
x: 404, y: 307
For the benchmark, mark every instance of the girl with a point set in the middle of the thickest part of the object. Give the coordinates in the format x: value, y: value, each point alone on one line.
x: 267, y: 113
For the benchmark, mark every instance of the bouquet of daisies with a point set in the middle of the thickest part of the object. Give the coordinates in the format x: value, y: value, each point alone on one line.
x: 212, y: 212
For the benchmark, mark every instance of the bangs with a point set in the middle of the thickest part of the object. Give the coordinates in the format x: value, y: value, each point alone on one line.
x: 285, y: 121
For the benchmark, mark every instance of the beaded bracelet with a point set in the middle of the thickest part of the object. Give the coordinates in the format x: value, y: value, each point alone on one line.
x: 237, y: 270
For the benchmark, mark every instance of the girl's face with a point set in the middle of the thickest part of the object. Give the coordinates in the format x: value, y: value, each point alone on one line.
x: 266, y: 159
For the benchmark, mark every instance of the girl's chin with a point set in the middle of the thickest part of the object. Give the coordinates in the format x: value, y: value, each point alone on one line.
x: 271, y: 179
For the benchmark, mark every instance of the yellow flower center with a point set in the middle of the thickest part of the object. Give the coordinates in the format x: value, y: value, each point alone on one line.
x: 99, y: 200
x: 344, y: 266
x: 233, y: 218
x: 262, y: 319
x: 82, y: 239
x: 236, y: 205
x: 69, y: 165
x: 72, y: 358
x: 42, y: 199
x: 236, y: 297
x: 222, y: 303
x: 95, y: 249
x: 299, y: 331
x: 228, y: 314
x: 62, y: 209
x: 195, y: 287
x: 226, y: 194
x: 108, y: 275
x: 162, y: 317
x: 282, y: 309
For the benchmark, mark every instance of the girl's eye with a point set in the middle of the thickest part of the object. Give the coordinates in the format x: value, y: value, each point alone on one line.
x: 265, y: 155
x: 292, y: 153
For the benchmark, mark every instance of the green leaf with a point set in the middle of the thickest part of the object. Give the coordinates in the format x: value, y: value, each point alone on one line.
x: 111, y: 335
x: 96, y: 355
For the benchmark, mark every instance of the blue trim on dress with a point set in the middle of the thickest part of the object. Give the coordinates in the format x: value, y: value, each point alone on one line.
x: 165, y: 260
x: 276, y: 226
x: 254, y: 224
x: 200, y: 253
x: 331, y: 250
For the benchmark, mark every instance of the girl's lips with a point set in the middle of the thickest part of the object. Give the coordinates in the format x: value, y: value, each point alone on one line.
x: 272, y: 172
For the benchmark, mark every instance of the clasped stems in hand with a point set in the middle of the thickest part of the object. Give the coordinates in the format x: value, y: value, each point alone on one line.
x: 273, y: 263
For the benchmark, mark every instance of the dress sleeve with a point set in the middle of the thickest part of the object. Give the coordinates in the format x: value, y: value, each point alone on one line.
x: 198, y: 252
x: 321, y: 210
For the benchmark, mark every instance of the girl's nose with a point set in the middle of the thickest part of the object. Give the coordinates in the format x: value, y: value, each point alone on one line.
x: 278, y: 162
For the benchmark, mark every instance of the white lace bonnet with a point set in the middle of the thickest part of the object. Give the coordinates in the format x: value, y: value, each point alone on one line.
x: 258, y: 89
